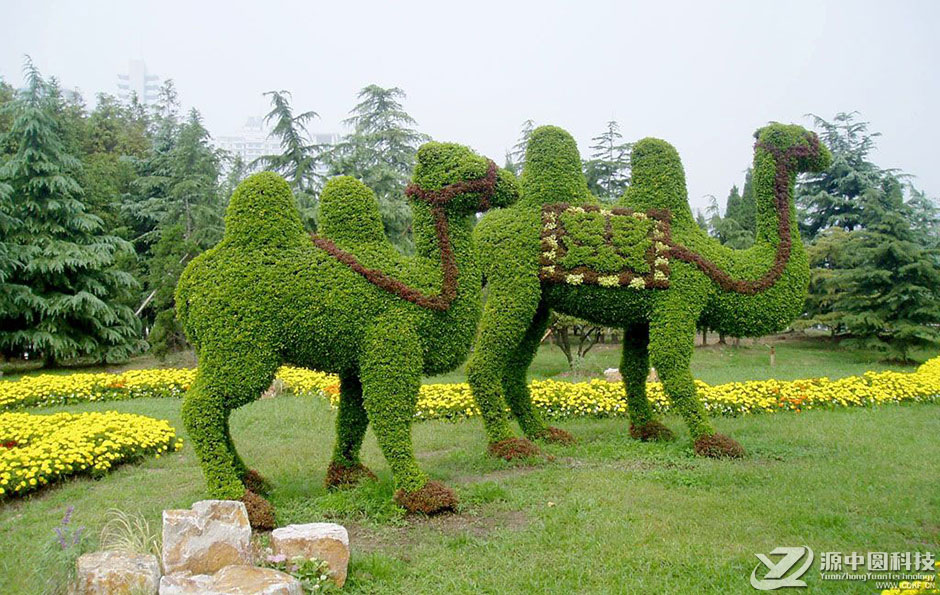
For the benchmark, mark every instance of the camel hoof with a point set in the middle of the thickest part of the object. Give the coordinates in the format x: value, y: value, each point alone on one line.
x: 256, y: 483
x: 651, y: 431
x: 433, y: 498
x: 339, y: 476
x: 513, y: 448
x: 260, y: 511
x: 718, y: 446
x: 556, y: 436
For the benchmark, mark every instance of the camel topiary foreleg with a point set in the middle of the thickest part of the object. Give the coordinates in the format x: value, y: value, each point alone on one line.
x: 634, y: 369
x: 672, y: 339
x: 351, y: 422
x: 390, y: 366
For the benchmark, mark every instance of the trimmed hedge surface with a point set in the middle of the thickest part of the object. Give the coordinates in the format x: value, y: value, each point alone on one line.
x: 555, y: 399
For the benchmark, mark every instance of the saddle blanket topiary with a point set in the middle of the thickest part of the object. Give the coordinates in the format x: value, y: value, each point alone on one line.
x: 614, y: 247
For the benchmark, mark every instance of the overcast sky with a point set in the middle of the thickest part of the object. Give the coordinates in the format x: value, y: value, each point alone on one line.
x: 702, y: 75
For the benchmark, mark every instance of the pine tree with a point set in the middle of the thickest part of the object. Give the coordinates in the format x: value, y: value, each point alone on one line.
x: 300, y: 160
x: 608, y: 170
x: 515, y: 157
x: 832, y: 198
x: 184, y: 211
x: 60, y: 298
x: 381, y: 151
x: 891, y: 298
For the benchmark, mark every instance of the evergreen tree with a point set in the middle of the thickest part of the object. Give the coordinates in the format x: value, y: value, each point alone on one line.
x: 891, y: 298
x: 381, y: 151
x: 185, y: 210
x: 60, y: 292
x: 608, y: 170
x: 727, y: 230
x: 833, y: 198
x: 300, y: 160
x: 515, y: 157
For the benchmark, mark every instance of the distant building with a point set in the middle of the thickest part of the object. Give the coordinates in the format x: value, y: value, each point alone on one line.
x: 139, y: 81
x: 253, y: 140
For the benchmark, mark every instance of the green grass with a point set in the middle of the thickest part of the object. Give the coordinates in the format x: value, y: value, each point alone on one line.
x: 798, y: 356
x: 605, y: 516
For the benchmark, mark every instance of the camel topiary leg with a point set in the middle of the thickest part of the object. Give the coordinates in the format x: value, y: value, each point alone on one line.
x: 390, y: 366
x: 672, y: 339
x: 634, y: 368
x: 351, y: 422
x: 510, y: 308
x: 225, y: 382
x: 516, y: 387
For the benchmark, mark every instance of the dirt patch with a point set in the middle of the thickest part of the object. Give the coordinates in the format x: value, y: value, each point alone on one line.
x: 421, y: 529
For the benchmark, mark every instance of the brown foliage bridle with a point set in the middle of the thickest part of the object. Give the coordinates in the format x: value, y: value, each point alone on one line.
x: 783, y: 160
x: 437, y: 199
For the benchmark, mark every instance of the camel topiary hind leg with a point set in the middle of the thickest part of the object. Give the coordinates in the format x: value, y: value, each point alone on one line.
x: 351, y: 422
x: 390, y: 366
x: 509, y: 312
x: 516, y: 387
x: 634, y: 369
x: 672, y: 336
x: 226, y: 382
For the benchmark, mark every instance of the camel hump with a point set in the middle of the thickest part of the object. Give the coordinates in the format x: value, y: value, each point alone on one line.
x: 552, y: 171
x: 262, y: 210
x: 349, y: 212
x: 657, y: 181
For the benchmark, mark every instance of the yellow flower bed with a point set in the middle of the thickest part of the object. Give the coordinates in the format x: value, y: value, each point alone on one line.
x: 597, y: 398
x: 36, y: 450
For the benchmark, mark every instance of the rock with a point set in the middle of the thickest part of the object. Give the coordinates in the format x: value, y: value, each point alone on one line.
x: 116, y: 572
x: 325, y: 541
x: 232, y: 580
x: 613, y: 375
x: 212, y: 535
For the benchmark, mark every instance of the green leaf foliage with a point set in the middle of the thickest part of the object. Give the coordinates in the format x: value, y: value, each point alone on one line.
x: 659, y: 324
x: 266, y: 295
x: 61, y: 294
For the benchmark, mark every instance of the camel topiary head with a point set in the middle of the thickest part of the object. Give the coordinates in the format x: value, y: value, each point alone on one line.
x: 453, y: 176
x: 802, y: 145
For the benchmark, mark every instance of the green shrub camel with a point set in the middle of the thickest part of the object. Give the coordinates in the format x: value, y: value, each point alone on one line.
x: 642, y: 265
x: 345, y: 302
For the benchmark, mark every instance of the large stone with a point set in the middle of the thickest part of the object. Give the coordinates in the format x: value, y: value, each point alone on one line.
x: 325, y: 541
x: 232, y: 580
x: 116, y: 572
x: 210, y: 536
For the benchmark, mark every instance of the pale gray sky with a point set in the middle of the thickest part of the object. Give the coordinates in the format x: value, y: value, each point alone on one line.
x: 702, y: 75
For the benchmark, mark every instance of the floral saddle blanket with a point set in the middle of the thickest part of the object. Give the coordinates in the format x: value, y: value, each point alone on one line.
x: 610, y: 247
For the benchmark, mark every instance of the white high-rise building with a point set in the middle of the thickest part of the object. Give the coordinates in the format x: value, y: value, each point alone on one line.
x: 139, y: 81
x: 253, y: 140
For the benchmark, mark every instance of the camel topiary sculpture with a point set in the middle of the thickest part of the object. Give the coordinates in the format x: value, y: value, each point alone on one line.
x: 345, y: 302
x: 644, y: 266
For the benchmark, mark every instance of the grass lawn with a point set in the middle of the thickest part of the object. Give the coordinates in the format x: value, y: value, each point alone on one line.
x: 798, y: 356
x: 608, y: 515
